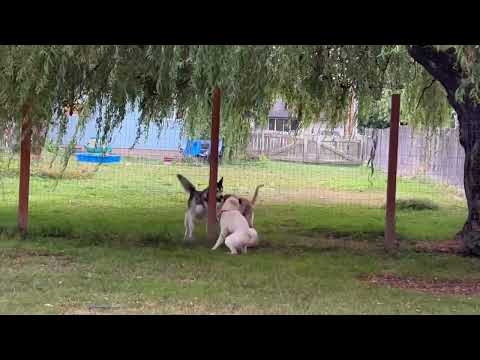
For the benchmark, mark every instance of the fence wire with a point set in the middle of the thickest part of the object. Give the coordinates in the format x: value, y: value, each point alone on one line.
x: 296, y: 170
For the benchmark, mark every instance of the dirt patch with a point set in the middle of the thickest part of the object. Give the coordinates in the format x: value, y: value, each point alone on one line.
x: 326, y: 196
x: 182, y: 307
x: 82, y: 172
x: 92, y: 311
x: 29, y: 253
x: 21, y: 256
x: 431, y: 286
x: 451, y: 247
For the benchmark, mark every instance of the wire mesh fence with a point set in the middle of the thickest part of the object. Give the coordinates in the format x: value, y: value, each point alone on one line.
x: 297, y: 170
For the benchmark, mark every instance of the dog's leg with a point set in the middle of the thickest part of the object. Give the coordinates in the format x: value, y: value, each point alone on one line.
x: 230, y: 241
x: 244, y: 249
x: 220, y: 240
x: 235, y: 242
x: 191, y: 227
x: 188, y: 226
x: 185, y: 222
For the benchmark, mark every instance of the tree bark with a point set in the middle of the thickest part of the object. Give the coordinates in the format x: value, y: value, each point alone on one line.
x: 443, y: 66
x: 470, y: 141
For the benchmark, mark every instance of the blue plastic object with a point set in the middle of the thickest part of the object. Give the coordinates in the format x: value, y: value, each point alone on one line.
x: 200, y: 148
x: 98, y: 158
x: 98, y: 150
x: 92, y: 147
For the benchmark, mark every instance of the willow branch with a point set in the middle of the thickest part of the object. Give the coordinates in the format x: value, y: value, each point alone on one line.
x: 423, y: 92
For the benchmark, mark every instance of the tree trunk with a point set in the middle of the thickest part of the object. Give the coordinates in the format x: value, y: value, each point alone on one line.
x: 469, y: 120
x: 443, y: 66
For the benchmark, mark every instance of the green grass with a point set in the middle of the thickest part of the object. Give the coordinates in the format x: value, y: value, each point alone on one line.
x: 175, y: 279
x: 112, y: 235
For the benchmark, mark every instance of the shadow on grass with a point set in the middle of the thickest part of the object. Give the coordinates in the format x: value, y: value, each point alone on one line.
x: 285, y: 228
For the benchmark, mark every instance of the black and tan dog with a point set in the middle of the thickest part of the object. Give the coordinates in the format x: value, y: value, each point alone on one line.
x: 197, y: 208
x: 246, y: 206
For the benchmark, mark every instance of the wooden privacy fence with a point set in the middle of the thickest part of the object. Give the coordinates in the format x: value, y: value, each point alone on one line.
x: 435, y: 154
x: 305, y: 148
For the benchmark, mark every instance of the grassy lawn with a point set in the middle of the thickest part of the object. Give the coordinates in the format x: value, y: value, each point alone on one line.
x: 113, y: 236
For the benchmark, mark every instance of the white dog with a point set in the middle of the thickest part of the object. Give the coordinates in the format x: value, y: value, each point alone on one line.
x: 234, y: 229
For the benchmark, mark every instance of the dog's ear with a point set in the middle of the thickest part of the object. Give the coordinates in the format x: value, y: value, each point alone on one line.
x: 187, y: 185
x: 220, y: 183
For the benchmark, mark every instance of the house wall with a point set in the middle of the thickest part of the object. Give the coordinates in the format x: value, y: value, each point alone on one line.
x: 168, y: 138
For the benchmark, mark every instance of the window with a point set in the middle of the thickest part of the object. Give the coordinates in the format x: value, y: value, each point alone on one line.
x: 283, y: 125
x: 280, y: 125
x: 271, y: 124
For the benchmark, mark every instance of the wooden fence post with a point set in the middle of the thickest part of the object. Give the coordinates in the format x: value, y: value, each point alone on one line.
x: 390, y: 239
x: 24, y: 180
x: 212, y: 189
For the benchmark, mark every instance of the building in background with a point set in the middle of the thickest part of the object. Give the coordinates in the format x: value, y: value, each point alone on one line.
x: 167, y: 141
x: 282, y: 121
x: 156, y: 143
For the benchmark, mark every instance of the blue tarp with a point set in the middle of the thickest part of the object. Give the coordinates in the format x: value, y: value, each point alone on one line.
x: 200, y: 148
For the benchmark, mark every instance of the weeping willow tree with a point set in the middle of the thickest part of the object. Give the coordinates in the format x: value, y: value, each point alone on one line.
x: 104, y: 81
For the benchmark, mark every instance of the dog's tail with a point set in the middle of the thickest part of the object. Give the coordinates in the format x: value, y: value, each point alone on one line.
x: 256, y: 194
x: 187, y: 185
